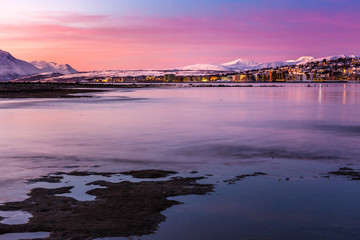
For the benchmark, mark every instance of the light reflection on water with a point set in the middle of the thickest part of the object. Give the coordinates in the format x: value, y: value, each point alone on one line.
x: 290, y: 131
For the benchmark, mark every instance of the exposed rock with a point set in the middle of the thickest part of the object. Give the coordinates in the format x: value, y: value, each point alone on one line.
x: 149, y: 173
x: 119, y: 210
x: 347, y: 172
x: 240, y: 177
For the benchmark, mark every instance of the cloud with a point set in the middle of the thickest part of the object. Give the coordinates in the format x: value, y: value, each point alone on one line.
x: 71, y: 17
x: 109, y: 41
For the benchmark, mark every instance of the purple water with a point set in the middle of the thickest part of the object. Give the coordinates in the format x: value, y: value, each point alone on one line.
x: 291, y: 131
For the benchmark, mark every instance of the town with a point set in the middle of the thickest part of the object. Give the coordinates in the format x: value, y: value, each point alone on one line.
x: 341, y: 69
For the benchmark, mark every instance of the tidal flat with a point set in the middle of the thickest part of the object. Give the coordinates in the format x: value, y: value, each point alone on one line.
x: 120, y: 208
x: 244, y: 162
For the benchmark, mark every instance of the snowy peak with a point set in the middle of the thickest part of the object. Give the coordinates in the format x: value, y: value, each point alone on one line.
x: 4, y: 54
x: 209, y: 67
x: 336, y: 57
x: 301, y: 60
x: 241, y: 62
x: 11, y: 67
x: 330, y: 58
x: 305, y: 58
x: 339, y: 56
x: 53, y: 67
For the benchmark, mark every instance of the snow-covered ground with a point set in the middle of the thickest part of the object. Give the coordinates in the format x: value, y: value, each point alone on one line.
x: 53, y: 67
x: 246, y: 64
x: 133, y: 73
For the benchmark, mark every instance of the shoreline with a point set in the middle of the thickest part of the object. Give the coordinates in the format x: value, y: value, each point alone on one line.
x: 69, y: 90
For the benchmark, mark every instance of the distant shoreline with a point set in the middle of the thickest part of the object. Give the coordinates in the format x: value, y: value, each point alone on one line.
x: 70, y: 90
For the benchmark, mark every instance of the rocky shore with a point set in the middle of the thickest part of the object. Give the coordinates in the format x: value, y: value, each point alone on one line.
x: 120, y: 209
x: 44, y: 90
x: 61, y: 90
x: 70, y: 90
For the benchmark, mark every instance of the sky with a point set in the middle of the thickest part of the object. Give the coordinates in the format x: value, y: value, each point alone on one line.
x: 160, y: 34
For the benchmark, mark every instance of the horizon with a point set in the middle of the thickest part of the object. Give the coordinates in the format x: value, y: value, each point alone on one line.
x: 147, y: 34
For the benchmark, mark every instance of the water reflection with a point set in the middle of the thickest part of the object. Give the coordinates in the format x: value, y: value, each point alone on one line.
x: 288, y: 129
x: 155, y: 125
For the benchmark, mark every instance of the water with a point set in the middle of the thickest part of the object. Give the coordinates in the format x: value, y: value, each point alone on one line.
x: 30, y: 235
x: 294, y: 131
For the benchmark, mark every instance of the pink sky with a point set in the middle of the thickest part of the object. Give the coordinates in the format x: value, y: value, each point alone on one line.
x: 109, y: 41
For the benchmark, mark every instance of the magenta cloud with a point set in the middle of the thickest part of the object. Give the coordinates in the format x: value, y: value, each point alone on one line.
x: 130, y: 41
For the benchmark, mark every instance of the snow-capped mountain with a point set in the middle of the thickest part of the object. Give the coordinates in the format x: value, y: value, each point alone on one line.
x: 212, y: 67
x: 53, y: 67
x: 11, y: 67
x: 336, y: 57
x: 301, y: 60
x: 241, y: 63
x: 245, y: 64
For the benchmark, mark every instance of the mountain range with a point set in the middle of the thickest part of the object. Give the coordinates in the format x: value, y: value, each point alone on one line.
x: 11, y: 67
x: 245, y: 64
x: 53, y: 67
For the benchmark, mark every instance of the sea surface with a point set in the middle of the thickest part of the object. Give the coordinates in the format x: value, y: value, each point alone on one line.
x: 295, y: 133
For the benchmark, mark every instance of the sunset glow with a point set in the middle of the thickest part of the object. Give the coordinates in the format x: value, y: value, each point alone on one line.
x: 150, y: 34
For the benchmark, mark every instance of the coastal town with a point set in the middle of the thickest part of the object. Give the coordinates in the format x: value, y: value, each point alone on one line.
x: 341, y: 69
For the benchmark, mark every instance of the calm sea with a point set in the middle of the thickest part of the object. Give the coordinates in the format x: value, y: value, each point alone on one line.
x: 295, y: 133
